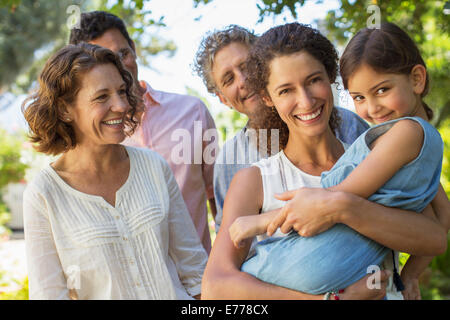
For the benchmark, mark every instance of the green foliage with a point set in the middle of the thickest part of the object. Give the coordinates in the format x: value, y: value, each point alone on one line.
x: 31, y: 25
x: 11, y: 170
x: 141, y: 25
x: 20, y: 294
x: 445, y: 176
x: 31, y: 31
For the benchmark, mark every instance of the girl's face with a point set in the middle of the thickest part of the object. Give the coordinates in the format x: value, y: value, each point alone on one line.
x: 300, y: 90
x: 380, y: 97
x: 100, y: 107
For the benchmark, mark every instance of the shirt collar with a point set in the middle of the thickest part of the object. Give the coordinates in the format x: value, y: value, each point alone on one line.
x: 151, y: 96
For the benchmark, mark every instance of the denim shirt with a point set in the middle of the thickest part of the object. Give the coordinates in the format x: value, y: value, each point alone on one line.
x: 414, y: 186
x: 240, y: 152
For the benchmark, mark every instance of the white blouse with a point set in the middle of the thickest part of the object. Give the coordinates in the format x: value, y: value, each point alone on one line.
x: 145, y: 247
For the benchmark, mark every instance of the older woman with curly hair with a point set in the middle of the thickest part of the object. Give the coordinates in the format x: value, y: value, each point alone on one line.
x: 104, y: 221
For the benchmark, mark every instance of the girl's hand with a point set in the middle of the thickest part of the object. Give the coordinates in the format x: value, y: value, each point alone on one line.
x: 306, y: 212
x: 412, y: 290
x: 244, y: 228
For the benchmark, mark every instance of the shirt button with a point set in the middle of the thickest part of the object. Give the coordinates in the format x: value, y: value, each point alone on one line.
x: 138, y: 284
x: 117, y: 217
x: 125, y: 238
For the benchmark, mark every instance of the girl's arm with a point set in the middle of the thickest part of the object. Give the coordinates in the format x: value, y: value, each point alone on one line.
x: 312, y: 211
x: 244, y: 228
x: 389, y: 153
x: 224, y: 280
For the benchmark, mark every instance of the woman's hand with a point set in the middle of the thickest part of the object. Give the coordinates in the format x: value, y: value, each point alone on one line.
x: 306, y: 212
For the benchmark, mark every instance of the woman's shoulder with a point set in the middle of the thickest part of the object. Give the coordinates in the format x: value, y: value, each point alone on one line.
x: 41, y: 185
x: 268, y: 162
x: 245, y: 176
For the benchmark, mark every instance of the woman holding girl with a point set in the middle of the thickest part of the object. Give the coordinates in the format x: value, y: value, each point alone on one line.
x: 387, y: 79
x: 304, y: 101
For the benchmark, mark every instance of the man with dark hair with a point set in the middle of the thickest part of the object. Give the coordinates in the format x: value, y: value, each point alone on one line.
x: 165, y: 116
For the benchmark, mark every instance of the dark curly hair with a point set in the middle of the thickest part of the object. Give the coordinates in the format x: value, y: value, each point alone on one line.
x: 285, y: 40
x: 388, y: 49
x: 59, y: 84
x: 94, y: 24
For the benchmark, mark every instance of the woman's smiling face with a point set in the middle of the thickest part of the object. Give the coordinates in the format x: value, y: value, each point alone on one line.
x: 99, y: 110
x: 299, y: 88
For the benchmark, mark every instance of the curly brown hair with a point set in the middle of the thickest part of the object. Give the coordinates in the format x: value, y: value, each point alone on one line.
x: 59, y: 84
x: 211, y: 44
x: 285, y: 40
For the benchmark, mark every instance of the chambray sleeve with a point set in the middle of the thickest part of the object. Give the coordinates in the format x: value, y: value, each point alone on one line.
x: 185, y: 248
x: 352, y: 126
x: 45, y: 274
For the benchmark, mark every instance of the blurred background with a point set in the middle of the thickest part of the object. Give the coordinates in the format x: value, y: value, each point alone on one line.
x: 167, y: 34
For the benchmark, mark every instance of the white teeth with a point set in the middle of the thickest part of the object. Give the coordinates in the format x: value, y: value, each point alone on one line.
x: 119, y: 121
x: 309, y: 116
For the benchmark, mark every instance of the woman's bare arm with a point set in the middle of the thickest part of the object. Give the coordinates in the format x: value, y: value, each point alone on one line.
x: 224, y: 280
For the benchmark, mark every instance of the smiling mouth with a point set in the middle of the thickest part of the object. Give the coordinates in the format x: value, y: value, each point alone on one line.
x: 383, y: 118
x: 113, y: 122
x: 309, y: 116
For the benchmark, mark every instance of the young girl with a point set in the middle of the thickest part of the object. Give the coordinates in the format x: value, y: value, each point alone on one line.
x: 396, y: 164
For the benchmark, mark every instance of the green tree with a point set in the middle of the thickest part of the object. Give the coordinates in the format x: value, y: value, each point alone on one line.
x: 32, y: 30
x: 11, y: 169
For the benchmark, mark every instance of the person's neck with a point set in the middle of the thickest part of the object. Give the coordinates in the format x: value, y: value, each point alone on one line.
x: 91, y: 159
x: 319, y: 151
x: 420, y: 112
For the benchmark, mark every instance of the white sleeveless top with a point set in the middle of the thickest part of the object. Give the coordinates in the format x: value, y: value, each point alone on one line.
x: 278, y: 175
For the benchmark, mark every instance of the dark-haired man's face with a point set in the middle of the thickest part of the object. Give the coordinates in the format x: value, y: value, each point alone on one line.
x: 113, y: 40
